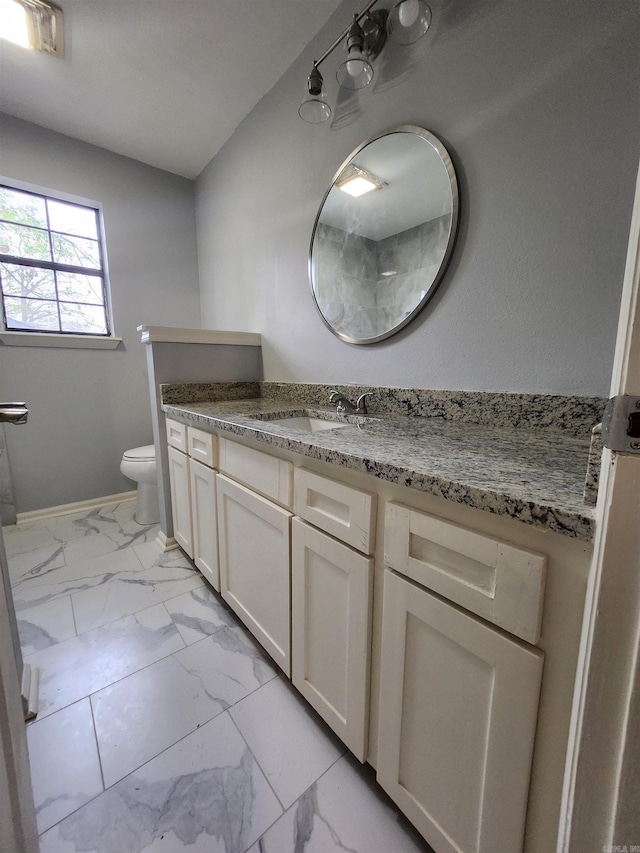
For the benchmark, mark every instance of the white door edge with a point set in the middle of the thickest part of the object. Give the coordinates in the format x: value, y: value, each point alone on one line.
x: 602, y: 785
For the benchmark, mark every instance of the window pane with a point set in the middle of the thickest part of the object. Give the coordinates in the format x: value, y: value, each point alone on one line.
x: 23, y: 242
x: 75, y: 287
x: 18, y: 280
x: 72, y: 219
x: 22, y: 207
x: 85, y: 319
x: 42, y: 236
x: 33, y: 314
x: 76, y: 251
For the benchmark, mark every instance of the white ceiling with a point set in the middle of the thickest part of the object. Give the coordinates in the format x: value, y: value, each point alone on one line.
x: 163, y: 81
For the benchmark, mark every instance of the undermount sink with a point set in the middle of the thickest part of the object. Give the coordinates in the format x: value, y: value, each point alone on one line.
x: 307, y: 423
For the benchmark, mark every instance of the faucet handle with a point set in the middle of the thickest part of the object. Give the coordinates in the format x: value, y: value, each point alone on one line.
x: 361, y: 406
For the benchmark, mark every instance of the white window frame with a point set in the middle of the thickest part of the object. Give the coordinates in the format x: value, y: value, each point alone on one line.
x: 36, y: 338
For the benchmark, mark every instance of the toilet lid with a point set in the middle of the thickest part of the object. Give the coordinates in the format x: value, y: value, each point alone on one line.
x: 141, y: 454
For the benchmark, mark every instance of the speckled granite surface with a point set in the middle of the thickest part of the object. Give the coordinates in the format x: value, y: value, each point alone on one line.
x: 575, y: 415
x: 202, y: 392
x: 536, y: 477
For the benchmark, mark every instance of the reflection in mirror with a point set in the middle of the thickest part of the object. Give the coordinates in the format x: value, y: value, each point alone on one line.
x: 377, y: 257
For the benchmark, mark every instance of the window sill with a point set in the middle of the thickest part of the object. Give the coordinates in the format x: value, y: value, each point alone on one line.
x: 33, y: 339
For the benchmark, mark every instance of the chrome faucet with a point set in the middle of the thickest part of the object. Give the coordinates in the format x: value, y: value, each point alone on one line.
x: 346, y: 407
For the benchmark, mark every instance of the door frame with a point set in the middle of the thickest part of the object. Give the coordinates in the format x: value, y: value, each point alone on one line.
x: 17, y: 810
x: 602, y: 778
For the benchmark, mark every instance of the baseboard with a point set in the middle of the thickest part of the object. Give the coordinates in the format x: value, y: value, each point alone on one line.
x: 78, y: 506
x: 167, y: 543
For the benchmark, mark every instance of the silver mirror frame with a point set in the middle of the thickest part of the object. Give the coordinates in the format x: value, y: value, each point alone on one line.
x: 442, y: 152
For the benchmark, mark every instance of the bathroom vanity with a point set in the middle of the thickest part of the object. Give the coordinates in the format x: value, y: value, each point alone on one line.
x: 421, y: 580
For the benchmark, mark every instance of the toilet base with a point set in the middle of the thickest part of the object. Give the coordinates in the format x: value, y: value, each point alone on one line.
x: 147, y: 504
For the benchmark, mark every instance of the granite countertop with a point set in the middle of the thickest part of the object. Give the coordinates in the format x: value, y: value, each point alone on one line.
x: 534, y: 476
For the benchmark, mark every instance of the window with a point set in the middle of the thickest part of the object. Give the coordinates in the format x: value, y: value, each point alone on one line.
x: 52, y: 265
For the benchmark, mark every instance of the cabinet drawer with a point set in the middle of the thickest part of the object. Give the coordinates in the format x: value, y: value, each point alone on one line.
x: 177, y: 435
x: 344, y: 512
x: 202, y: 446
x: 498, y: 581
x: 260, y: 471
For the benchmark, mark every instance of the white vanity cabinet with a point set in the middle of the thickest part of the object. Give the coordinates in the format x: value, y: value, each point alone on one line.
x: 254, y: 544
x: 332, y: 590
x: 421, y: 646
x: 458, y: 697
x: 192, y: 458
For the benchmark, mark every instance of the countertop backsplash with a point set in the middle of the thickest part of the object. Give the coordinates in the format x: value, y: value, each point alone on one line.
x: 574, y: 415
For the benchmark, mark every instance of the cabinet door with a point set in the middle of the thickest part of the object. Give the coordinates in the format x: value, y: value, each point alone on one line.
x: 331, y: 588
x: 204, y: 521
x: 180, y: 499
x: 458, y: 707
x: 254, y: 537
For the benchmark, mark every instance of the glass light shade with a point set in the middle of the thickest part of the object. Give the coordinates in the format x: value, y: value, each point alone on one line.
x: 355, y: 72
x: 315, y: 109
x: 408, y: 21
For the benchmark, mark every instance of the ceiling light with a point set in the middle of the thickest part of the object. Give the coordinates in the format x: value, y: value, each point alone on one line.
x: 365, y: 38
x: 357, y: 181
x: 34, y: 24
x: 13, y: 23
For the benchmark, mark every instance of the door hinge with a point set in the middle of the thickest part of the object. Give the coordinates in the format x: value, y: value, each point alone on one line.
x: 621, y: 424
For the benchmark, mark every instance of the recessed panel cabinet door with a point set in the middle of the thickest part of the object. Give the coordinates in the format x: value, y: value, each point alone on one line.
x: 458, y: 708
x: 180, y: 499
x: 254, y: 541
x: 204, y: 521
x: 331, y: 588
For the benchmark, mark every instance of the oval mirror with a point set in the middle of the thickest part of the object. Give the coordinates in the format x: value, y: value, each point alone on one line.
x: 377, y: 257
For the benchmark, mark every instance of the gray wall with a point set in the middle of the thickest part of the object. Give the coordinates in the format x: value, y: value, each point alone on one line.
x: 88, y: 406
x: 539, y: 107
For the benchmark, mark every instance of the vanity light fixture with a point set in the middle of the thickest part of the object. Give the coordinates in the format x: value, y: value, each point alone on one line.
x: 357, y: 181
x: 315, y: 109
x: 356, y: 71
x: 407, y: 21
x: 34, y: 24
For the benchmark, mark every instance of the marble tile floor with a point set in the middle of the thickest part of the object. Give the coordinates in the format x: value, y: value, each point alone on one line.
x: 163, y: 727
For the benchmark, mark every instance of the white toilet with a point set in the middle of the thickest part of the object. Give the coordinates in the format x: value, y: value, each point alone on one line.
x: 139, y: 464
